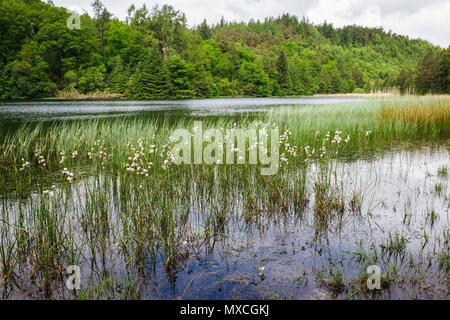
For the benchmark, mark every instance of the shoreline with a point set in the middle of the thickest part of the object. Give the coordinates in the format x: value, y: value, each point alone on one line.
x: 120, y: 97
x: 318, y: 95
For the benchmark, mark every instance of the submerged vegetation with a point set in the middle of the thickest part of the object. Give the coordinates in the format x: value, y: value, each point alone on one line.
x: 154, y: 54
x: 105, y: 194
x: 357, y: 185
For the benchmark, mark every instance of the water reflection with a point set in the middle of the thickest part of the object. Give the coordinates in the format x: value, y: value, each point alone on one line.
x: 74, y: 110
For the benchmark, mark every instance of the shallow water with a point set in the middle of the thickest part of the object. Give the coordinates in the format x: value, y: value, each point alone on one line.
x: 292, y: 249
x: 78, y: 110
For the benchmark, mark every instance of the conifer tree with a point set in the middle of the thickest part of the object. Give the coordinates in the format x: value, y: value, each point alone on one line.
x: 205, y: 31
x: 445, y: 71
x: 151, y: 79
x: 283, y: 76
x: 118, y: 77
x: 428, y: 74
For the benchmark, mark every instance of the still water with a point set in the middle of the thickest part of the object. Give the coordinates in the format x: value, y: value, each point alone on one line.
x: 401, y: 196
x: 77, y: 110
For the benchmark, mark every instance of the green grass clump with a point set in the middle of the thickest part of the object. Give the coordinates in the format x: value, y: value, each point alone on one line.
x: 442, y: 172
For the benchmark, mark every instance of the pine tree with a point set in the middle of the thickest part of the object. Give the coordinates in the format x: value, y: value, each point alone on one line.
x: 152, y: 77
x: 102, y: 17
x: 205, y: 31
x: 118, y: 77
x: 428, y: 74
x: 283, y: 76
x: 445, y: 71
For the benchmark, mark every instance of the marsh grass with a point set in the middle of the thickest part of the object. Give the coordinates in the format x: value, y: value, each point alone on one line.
x: 426, y: 115
x: 105, y: 194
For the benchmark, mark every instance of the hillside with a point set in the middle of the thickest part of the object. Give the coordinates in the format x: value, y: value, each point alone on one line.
x: 154, y: 54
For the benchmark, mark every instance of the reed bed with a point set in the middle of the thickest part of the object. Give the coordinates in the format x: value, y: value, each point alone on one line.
x: 427, y: 114
x: 74, y: 94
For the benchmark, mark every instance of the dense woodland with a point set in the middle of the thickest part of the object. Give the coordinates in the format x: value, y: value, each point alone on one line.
x: 154, y: 54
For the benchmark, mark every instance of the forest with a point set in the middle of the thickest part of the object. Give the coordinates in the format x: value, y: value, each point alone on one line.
x: 155, y: 54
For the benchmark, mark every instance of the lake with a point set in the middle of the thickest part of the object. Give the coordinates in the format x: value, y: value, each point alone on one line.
x: 96, y: 191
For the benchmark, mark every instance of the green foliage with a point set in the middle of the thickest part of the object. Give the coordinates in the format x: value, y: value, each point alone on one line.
x: 277, y: 56
x: 428, y: 74
x: 283, y: 76
x: 204, y: 30
x: 358, y: 90
x: 118, y: 77
x: 123, y: 40
x: 91, y: 79
x: 445, y: 71
x: 26, y: 77
x: 151, y: 80
x: 405, y: 80
x: 182, y: 74
x: 70, y: 79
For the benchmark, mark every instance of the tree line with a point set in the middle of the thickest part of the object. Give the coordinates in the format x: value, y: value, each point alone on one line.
x: 154, y: 54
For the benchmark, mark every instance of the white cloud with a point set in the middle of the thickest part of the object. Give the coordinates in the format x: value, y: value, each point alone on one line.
x: 338, y: 12
x: 427, y: 19
x: 431, y: 23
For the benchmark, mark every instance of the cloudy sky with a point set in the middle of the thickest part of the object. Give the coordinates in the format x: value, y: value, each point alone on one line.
x: 426, y: 19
